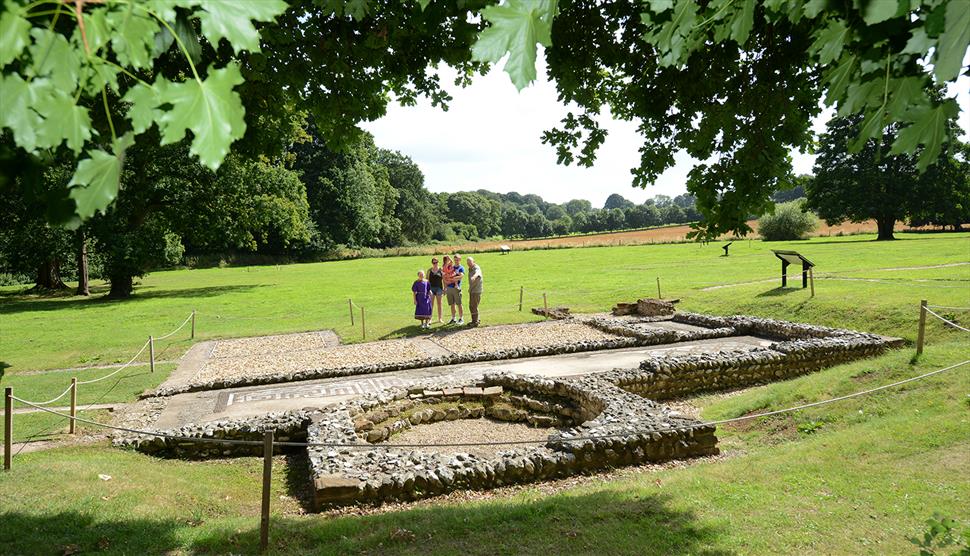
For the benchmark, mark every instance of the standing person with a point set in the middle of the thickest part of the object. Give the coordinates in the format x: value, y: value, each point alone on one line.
x: 436, y: 280
x: 453, y: 290
x: 422, y: 300
x: 475, y: 283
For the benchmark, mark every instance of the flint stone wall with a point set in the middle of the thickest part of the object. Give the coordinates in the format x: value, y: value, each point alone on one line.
x: 650, y: 432
x: 804, y: 349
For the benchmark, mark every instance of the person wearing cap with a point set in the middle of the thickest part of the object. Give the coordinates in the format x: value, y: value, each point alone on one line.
x: 436, y: 277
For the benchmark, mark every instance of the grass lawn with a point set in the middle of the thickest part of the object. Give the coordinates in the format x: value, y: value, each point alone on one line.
x: 43, y: 333
x: 860, y: 483
x: 858, y: 476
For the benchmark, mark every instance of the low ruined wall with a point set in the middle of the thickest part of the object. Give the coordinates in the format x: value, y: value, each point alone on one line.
x: 661, y: 378
x: 289, y: 426
x: 348, y: 476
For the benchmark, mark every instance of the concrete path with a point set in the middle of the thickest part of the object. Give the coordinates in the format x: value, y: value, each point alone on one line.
x: 198, y: 407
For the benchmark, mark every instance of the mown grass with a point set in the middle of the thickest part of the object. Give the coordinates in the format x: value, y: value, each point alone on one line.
x: 862, y: 483
x: 859, y: 477
x: 40, y: 333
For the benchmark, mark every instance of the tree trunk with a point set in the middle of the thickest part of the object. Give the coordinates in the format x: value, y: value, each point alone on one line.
x: 49, y: 276
x: 121, y: 287
x: 885, y: 226
x: 82, y: 263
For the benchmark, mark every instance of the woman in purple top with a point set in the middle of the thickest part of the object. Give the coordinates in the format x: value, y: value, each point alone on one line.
x: 422, y: 300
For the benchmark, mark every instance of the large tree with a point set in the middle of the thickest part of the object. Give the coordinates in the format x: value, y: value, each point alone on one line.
x: 415, y: 208
x: 873, y: 183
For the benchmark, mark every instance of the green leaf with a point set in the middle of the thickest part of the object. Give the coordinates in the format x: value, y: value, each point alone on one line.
x: 164, y: 9
x: 356, y: 9
x: 15, y: 112
x: 96, y: 30
x: 63, y: 121
x: 870, y: 129
x: 233, y: 20
x: 424, y: 4
x: 95, y: 182
x: 918, y: 43
x: 829, y: 41
x: 133, y: 39
x: 14, y: 33
x: 928, y: 128
x: 53, y: 56
x: 516, y: 27
x: 101, y: 74
x: 839, y: 79
x: 861, y: 95
x: 952, y: 44
x: 814, y: 7
x: 671, y: 39
x: 743, y: 22
x: 905, y: 93
x: 660, y: 6
x: 880, y: 10
x: 143, y: 110
x: 211, y: 109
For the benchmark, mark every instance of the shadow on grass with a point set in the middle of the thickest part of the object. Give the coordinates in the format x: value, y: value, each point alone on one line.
x: 604, y: 522
x: 25, y: 303
x: 779, y: 291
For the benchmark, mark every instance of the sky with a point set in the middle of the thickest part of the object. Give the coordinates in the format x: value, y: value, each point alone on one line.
x: 490, y: 138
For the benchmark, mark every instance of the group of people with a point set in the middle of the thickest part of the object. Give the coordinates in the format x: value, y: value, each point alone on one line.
x: 446, y: 281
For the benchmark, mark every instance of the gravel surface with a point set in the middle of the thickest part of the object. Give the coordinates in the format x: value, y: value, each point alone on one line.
x: 331, y: 357
x: 469, y: 430
x: 283, y: 343
x: 540, y: 334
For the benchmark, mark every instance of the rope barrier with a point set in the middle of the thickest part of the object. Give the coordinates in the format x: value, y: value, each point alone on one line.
x: 52, y: 400
x: 180, y: 327
x: 119, y: 369
x: 947, y: 321
x: 506, y: 442
x: 950, y: 308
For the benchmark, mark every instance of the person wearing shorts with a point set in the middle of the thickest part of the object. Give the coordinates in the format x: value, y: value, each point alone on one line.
x: 436, y: 279
x: 453, y: 289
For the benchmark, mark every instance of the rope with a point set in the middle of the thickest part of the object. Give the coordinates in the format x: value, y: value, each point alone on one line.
x: 180, y: 327
x: 950, y: 322
x: 507, y: 442
x: 950, y: 308
x: 52, y: 400
x: 119, y: 369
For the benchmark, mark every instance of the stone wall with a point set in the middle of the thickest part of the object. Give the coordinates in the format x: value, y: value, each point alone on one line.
x: 642, y: 431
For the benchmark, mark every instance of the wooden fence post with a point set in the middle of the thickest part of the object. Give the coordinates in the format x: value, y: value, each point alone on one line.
x: 192, y: 337
x: 350, y: 304
x: 151, y: 353
x: 922, y: 327
x: 521, y: 294
x: 363, y: 328
x: 658, y: 289
x: 267, y: 484
x: 7, y: 427
x: 73, y: 404
x: 811, y: 281
x: 545, y: 304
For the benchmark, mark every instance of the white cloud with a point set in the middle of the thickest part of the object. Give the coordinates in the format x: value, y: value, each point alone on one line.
x: 490, y: 138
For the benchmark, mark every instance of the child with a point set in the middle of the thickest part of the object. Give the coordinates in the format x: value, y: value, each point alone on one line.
x: 422, y: 300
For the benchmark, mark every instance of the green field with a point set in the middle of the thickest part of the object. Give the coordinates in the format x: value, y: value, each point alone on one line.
x: 855, y: 477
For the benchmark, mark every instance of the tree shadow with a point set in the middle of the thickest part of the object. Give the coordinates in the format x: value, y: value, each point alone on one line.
x: 607, y: 521
x: 26, y: 304
x: 3, y: 368
x: 779, y: 291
